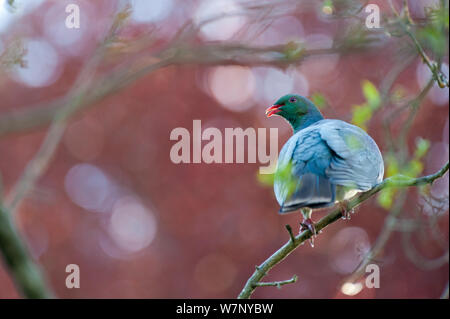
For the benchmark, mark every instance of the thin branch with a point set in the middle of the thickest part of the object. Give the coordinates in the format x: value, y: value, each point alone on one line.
x: 277, y: 284
x: 291, y: 235
x: 438, y: 75
x: 335, y: 215
x: 407, y: 13
x: 415, y: 106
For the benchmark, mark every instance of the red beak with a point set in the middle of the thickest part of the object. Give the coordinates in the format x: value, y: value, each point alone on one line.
x: 274, y: 109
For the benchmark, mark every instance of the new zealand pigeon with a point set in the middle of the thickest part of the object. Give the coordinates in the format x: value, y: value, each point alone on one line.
x: 324, y: 162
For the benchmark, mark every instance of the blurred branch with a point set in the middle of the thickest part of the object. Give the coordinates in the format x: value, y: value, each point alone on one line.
x: 41, y: 160
x: 181, y: 50
x: 385, y: 90
x: 434, y: 67
x: 290, y: 246
x: 25, y: 273
x: 438, y: 207
x: 292, y: 53
x: 419, y: 260
x: 438, y: 75
x: 413, y: 105
x: 390, y: 224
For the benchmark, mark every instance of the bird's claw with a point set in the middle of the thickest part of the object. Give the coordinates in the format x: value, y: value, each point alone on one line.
x: 345, y: 211
x: 309, y: 224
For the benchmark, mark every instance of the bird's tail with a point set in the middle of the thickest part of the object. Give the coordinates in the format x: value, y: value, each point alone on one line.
x: 313, y: 191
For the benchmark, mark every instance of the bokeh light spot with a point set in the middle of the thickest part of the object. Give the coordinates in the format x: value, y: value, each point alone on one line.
x: 89, y: 188
x: 219, y: 19
x: 232, y: 87
x: 273, y: 83
x: 42, y: 64
x: 351, y: 289
x: 21, y: 7
x: 69, y: 40
x: 145, y: 11
x: 132, y: 225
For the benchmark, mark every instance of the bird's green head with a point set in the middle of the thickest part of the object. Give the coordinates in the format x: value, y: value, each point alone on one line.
x: 296, y: 109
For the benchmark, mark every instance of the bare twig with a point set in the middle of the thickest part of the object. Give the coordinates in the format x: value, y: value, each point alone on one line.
x: 277, y: 284
x: 438, y: 75
x: 291, y: 235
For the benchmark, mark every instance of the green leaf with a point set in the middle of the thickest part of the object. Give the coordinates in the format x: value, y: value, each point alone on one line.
x: 386, y: 198
x: 371, y: 94
x: 327, y: 7
x: 282, y: 173
x: 433, y: 38
x: 293, y: 50
x: 392, y: 166
x: 414, y: 168
x: 422, y: 147
x: 399, y: 93
x: 319, y: 100
x: 266, y: 179
x: 361, y: 115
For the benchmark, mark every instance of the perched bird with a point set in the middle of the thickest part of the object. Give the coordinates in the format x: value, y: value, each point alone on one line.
x: 324, y: 162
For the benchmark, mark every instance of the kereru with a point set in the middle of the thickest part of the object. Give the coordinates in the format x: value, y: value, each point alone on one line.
x: 324, y: 162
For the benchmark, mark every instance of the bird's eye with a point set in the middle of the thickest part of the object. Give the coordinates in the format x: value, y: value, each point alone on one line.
x: 293, y: 100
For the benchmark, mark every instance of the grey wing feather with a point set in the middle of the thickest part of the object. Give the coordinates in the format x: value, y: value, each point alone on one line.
x: 358, y: 162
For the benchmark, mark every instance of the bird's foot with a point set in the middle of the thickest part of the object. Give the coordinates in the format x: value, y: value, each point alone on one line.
x: 309, y: 224
x: 345, y: 210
